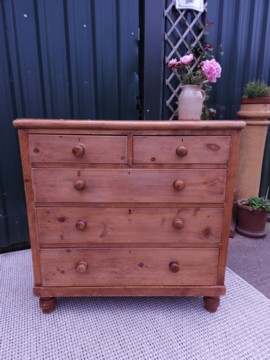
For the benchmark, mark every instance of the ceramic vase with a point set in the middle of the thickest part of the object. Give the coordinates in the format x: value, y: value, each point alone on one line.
x: 190, y: 102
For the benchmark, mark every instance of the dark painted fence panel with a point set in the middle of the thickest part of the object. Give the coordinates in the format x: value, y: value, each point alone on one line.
x: 153, y: 80
x: 13, y: 228
x: 60, y: 59
x: 243, y: 28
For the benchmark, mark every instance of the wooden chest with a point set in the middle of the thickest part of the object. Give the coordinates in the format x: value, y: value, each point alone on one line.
x: 129, y: 208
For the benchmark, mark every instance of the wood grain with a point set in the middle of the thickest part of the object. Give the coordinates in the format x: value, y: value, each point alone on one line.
x: 29, y: 195
x: 114, y: 267
x: 183, y: 290
x: 200, y: 149
x: 129, y: 208
x: 127, y: 125
x: 134, y: 185
x: 228, y: 208
x: 98, y: 149
x: 129, y: 225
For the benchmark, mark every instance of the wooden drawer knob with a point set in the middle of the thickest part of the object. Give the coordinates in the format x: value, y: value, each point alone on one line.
x: 81, y: 225
x: 174, y: 266
x: 178, y: 223
x: 179, y: 185
x: 79, y: 185
x: 181, y: 151
x: 82, y: 267
x: 78, y: 150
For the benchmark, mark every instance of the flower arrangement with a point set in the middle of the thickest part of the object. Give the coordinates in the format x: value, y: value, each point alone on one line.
x: 206, y: 71
x: 199, y: 67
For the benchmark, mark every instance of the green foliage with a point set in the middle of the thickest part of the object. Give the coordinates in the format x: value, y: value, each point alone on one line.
x: 255, y: 89
x: 208, y: 113
x: 258, y: 203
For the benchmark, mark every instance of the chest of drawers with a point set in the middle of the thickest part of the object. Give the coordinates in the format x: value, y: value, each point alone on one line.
x: 128, y: 208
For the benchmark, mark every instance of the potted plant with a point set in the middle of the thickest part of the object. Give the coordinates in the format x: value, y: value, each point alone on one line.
x: 252, y: 216
x: 254, y: 110
x: 256, y: 89
x: 192, y: 77
x: 255, y: 103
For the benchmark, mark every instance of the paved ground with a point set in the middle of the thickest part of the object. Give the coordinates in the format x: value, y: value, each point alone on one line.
x: 250, y: 258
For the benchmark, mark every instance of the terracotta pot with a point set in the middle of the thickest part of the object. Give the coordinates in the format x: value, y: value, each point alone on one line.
x: 251, y: 223
x: 256, y: 108
x: 190, y: 102
x: 255, y: 112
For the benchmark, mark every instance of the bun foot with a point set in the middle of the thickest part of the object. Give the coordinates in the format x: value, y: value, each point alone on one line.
x: 210, y: 303
x: 47, y: 305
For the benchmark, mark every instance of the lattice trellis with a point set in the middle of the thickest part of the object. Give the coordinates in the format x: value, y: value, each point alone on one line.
x: 183, y: 29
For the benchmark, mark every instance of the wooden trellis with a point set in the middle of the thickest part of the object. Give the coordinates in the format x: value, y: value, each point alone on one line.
x: 184, y: 29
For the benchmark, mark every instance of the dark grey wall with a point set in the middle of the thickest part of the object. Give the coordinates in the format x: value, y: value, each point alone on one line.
x: 243, y: 28
x: 61, y: 59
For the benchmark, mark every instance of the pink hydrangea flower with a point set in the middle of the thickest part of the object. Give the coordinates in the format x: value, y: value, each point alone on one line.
x: 211, y: 69
x: 186, y: 59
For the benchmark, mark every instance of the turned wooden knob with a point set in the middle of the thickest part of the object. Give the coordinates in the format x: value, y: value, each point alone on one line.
x: 181, y: 151
x: 81, y: 225
x: 78, y: 150
x: 82, y: 267
x: 178, y: 223
x: 179, y: 185
x: 79, y: 185
x: 174, y: 266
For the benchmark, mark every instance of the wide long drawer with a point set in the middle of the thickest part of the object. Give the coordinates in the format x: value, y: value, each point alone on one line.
x: 78, y: 149
x: 133, y: 266
x: 181, y: 149
x: 125, y: 186
x: 81, y: 226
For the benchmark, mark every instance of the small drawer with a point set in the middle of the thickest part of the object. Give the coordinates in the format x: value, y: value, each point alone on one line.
x: 133, y: 266
x: 98, y: 226
x: 78, y: 149
x: 181, y: 149
x: 126, y: 186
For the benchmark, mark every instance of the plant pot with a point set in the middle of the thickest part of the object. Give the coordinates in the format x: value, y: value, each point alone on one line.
x: 255, y: 113
x: 190, y: 102
x: 256, y: 107
x: 251, y: 223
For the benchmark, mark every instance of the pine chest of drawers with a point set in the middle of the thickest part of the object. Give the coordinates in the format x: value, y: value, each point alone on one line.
x: 129, y: 208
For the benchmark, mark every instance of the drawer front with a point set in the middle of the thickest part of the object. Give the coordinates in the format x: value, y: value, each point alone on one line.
x: 181, y: 149
x: 128, y: 225
x: 134, y: 266
x: 134, y: 185
x: 78, y: 149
